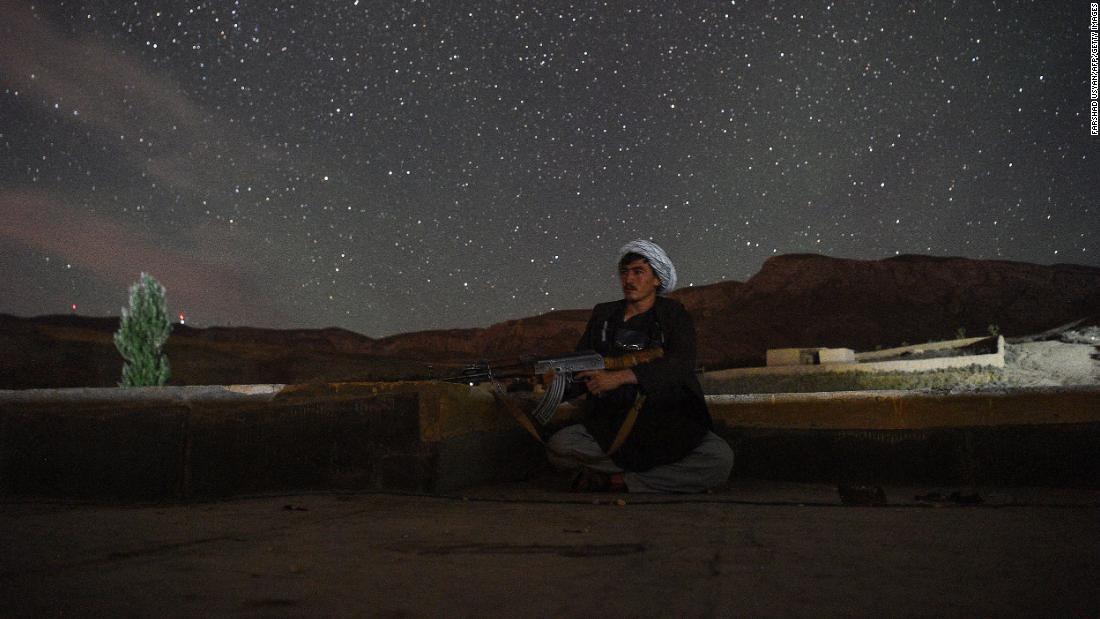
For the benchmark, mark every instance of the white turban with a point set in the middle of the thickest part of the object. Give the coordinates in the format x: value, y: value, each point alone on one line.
x: 658, y: 259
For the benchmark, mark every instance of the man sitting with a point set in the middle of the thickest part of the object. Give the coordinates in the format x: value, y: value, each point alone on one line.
x: 667, y: 444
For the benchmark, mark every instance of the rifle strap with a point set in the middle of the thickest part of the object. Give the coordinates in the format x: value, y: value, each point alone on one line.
x: 521, y: 417
x: 628, y: 424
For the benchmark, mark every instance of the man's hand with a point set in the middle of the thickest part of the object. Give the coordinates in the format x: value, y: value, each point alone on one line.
x: 600, y: 382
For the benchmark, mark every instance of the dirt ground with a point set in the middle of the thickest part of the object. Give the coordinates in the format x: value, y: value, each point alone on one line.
x: 756, y: 549
x: 1052, y: 363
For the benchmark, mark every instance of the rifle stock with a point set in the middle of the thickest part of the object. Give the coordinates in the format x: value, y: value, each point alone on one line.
x: 630, y: 360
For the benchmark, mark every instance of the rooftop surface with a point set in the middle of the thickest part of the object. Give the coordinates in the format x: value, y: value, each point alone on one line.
x: 754, y: 548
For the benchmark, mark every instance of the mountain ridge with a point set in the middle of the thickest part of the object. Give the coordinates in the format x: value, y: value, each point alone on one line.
x: 795, y: 300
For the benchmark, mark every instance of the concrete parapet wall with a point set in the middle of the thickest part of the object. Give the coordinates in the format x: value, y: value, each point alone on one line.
x: 908, y: 410
x: 184, y: 442
x: 201, y: 442
x: 1053, y: 455
x: 1034, y: 436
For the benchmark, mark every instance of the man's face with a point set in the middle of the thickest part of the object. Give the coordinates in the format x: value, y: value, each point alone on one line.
x: 638, y: 281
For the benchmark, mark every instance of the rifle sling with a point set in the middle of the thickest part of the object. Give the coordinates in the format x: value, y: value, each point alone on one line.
x: 521, y: 417
x: 620, y: 363
x: 628, y: 424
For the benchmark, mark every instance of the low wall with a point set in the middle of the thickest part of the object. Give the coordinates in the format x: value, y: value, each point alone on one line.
x: 886, y: 353
x: 186, y: 442
x: 203, y: 442
x: 1028, y: 436
x: 713, y: 380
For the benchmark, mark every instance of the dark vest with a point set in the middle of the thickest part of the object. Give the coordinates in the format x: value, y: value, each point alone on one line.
x: 675, y: 418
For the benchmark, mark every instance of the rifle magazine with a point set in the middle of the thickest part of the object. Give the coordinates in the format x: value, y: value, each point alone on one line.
x: 544, y: 412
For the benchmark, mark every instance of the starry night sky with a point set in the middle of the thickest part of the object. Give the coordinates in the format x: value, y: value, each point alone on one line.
x: 396, y: 166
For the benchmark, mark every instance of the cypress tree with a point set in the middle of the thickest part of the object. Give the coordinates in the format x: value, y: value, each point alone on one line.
x: 143, y: 331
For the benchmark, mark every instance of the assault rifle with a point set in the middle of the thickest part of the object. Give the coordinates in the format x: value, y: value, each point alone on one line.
x: 555, y: 373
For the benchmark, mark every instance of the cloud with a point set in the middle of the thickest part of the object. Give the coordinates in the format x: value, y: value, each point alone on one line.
x: 104, y: 86
x: 111, y: 91
x: 115, y: 252
x: 188, y: 162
